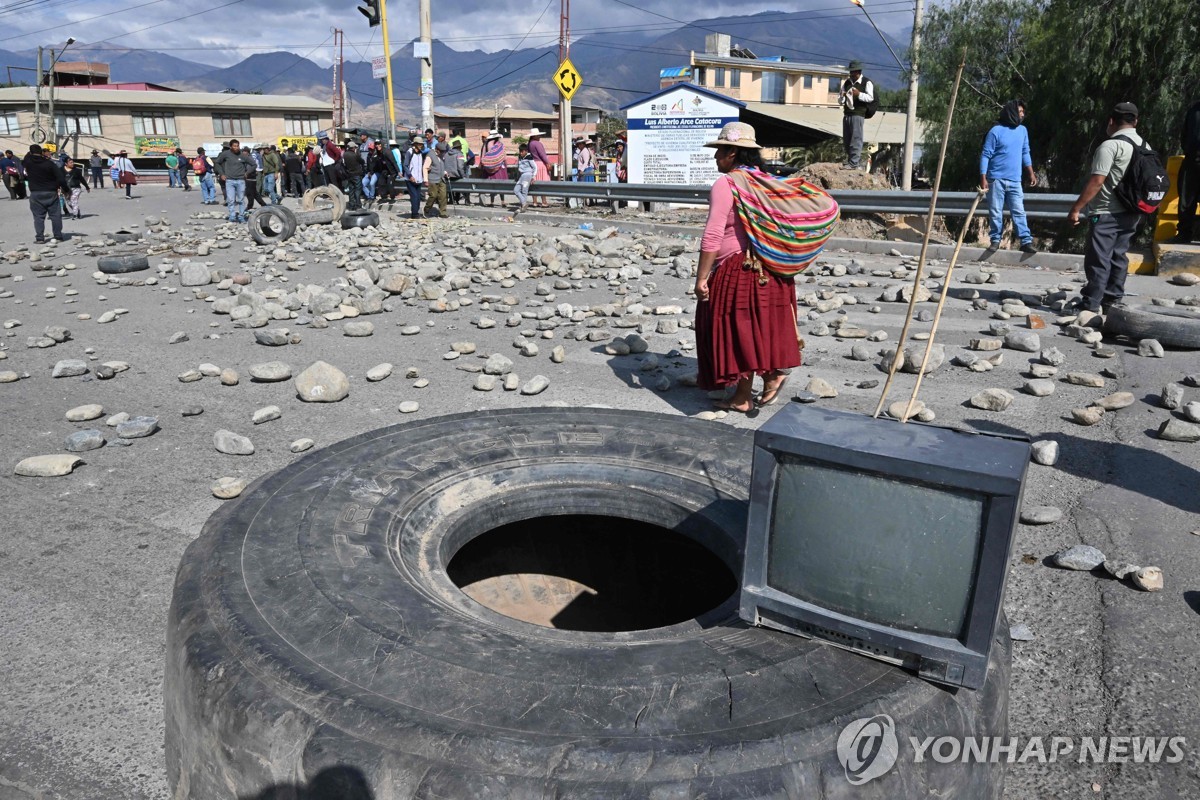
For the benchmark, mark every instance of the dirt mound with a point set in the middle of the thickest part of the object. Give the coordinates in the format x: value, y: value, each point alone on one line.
x: 830, y: 175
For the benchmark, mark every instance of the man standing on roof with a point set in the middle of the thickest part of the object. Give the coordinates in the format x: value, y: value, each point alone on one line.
x: 857, y: 92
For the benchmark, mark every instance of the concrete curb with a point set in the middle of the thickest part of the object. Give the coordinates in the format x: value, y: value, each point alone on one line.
x: 969, y: 255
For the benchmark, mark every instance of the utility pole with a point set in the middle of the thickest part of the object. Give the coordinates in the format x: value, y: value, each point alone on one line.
x: 53, y: 125
x: 564, y: 107
x: 426, y: 68
x: 339, y: 106
x: 910, y: 122
x: 387, y: 62
x: 37, y: 100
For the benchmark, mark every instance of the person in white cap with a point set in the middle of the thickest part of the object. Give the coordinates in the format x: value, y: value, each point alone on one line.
x: 541, y: 162
x: 743, y: 327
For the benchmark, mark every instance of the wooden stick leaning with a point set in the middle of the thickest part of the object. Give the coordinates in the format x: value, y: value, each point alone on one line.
x: 937, y: 182
x: 937, y: 315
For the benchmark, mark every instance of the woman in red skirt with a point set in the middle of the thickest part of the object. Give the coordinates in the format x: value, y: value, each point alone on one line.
x: 743, y: 328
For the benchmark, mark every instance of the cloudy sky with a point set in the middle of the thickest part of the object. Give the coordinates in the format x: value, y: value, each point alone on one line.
x: 222, y: 32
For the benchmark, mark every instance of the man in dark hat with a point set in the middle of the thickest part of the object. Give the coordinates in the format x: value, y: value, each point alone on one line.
x: 1105, y: 261
x: 46, y: 182
x: 857, y: 93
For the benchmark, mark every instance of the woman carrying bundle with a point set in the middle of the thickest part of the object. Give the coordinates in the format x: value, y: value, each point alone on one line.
x: 760, y: 233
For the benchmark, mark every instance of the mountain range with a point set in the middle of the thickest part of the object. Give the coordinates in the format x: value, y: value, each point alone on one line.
x: 616, y: 67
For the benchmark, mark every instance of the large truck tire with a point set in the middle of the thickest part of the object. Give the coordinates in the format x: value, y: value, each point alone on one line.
x: 1172, y: 326
x: 326, y: 196
x: 272, y: 224
x: 315, y: 626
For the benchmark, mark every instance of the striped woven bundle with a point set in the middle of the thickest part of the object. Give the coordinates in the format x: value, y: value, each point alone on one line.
x: 493, y: 157
x: 788, y: 220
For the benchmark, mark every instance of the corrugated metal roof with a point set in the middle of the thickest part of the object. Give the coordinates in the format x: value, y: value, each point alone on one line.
x: 488, y: 113
x: 69, y: 96
x: 886, y: 127
x: 675, y: 72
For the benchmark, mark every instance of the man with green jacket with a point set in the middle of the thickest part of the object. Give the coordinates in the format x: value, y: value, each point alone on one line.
x: 272, y: 169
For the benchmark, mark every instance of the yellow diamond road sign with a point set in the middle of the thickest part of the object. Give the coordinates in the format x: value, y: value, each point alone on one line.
x: 567, y: 79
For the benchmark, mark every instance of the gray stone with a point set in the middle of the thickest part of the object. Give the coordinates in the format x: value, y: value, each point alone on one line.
x: 1039, y: 387
x: 266, y: 414
x: 1053, y: 356
x: 178, y: 337
x: 1192, y: 411
x: 271, y: 337
x: 410, y: 407
x: 232, y: 444
x: 1020, y: 633
x: 1088, y: 416
x: 51, y: 466
x: 379, y: 372
x: 1040, y: 515
x: 1171, y: 396
x: 300, y: 445
x: 617, y: 347
x: 229, y: 488
x: 1116, y: 401
x: 636, y: 344
x: 322, y: 383
x: 527, y: 348
x: 1150, y: 348
x: 193, y: 274
x: 1025, y: 341
x: 559, y: 354
x: 137, y: 427
x: 191, y: 376
x: 1176, y: 430
x: 1120, y: 569
x: 270, y: 372
x: 358, y: 329
x: 485, y: 383
x: 1149, y: 579
x: 992, y: 400
x: 1081, y: 557
x: 497, y: 365
x: 104, y: 372
x: 860, y: 352
x: 1045, y: 452
x: 229, y: 377
x: 69, y: 368
x: 82, y: 441
x: 1085, y: 379
x: 1042, y: 370
x: 535, y: 385
x: 192, y: 411
x: 821, y: 388
x: 117, y: 419
x: 84, y: 413
x: 57, y: 333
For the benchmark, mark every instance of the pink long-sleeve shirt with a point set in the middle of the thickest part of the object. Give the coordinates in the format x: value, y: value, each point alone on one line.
x: 723, y: 232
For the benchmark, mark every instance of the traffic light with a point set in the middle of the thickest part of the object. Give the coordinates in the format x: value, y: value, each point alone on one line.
x: 370, y: 10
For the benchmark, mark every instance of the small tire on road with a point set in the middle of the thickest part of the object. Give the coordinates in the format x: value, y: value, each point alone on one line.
x: 323, y: 197
x: 115, y: 265
x: 360, y: 219
x: 314, y: 623
x: 1172, y: 326
x: 272, y: 224
x: 124, y: 236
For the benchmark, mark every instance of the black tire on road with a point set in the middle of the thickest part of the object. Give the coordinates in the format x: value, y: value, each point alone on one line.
x: 272, y: 224
x: 314, y: 625
x: 360, y: 219
x: 1172, y: 326
x: 325, y: 197
x: 115, y: 265
x: 124, y: 236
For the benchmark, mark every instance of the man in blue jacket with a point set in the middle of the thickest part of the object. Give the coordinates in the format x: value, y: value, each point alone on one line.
x: 1005, y: 154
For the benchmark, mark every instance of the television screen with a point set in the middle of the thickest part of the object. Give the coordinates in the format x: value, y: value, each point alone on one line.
x: 868, y: 546
x: 891, y: 539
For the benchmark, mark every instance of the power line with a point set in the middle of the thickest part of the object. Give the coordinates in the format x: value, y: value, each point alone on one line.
x: 85, y: 19
x: 493, y: 80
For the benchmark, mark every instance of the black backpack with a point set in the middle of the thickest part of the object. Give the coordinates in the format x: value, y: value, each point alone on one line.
x: 1145, y: 182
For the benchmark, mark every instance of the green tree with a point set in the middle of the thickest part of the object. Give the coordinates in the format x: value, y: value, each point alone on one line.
x: 800, y: 157
x: 995, y: 35
x: 1071, y: 60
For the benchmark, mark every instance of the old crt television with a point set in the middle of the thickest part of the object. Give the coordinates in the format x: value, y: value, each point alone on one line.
x: 890, y: 539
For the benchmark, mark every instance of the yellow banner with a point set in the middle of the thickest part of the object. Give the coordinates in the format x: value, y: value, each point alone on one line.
x: 299, y: 142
